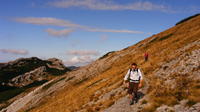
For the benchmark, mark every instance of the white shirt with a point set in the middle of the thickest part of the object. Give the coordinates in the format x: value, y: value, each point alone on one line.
x: 135, y: 75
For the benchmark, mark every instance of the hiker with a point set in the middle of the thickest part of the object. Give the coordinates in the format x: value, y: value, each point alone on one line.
x: 146, y: 56
x: 133, y: 79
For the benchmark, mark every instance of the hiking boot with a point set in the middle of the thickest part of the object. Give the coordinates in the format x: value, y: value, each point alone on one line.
x: 136, y: 100
x: 131, y: 102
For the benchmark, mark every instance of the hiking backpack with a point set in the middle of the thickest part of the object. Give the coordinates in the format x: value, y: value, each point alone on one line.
x: 130, y: 75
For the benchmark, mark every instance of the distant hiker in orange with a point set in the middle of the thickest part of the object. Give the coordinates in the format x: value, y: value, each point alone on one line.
x: 146, y: 56
x: 133, y: 79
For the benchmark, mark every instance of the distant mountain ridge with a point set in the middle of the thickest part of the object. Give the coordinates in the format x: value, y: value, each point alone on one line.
x: 25, y: 73
x: 30, y: 69
x: 73, y: 67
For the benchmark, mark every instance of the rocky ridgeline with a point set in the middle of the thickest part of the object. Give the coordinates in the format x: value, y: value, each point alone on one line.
x: 24, y: 71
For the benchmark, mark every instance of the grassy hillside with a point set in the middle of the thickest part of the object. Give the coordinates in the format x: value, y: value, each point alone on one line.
x: 86, y: 94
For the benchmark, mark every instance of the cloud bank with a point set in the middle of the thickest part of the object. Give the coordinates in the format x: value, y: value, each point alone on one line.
x: 79, y: 61
x: 81, y: 57
x: 83, y: 52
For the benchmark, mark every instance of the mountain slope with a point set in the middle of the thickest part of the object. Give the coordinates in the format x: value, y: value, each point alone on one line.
x: 173, y: 65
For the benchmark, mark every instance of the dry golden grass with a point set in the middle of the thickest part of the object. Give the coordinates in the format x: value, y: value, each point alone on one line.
x: 162, y: 94
x: 73, y: 97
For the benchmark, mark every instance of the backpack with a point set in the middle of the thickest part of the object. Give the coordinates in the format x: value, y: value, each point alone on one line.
x: 130, y: 75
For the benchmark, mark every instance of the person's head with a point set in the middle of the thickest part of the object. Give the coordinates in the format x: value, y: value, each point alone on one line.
x: 134, y: 65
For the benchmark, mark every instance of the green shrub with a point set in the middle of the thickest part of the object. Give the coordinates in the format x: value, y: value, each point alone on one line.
x: 6, y: 95
x: 191, y: 102
x: 154, y: 40
x: 144, y: 102
x: 165, y: 37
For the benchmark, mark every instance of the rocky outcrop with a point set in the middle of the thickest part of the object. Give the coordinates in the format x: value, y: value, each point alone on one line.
x: 24, y: 71
x: 55, y: 64
x: 181, y: 107
x: 35, y: 96
x: 38, y: 74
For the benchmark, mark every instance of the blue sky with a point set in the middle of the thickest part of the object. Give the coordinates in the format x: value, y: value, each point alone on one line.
x: 80, y: 31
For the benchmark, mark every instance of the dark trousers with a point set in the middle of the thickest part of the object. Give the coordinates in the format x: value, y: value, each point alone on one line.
x: 146, y: 58
x: 133, y: 88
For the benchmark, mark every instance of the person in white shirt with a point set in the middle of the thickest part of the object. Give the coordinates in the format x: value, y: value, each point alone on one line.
x: 133, y: 79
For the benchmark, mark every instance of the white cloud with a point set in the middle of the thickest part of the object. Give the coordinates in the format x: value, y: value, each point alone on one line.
x: 47, y: 21
x: 107, y: 5
x: 79, y: 61
x: 81, y: 57
x: 59, y: 33
x: 83, y: 53
x: 113, y: 30
x: 14, y: 51
x: 70, y: 25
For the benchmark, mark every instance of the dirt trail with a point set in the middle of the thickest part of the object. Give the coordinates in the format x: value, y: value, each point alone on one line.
x: 122, y: 105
